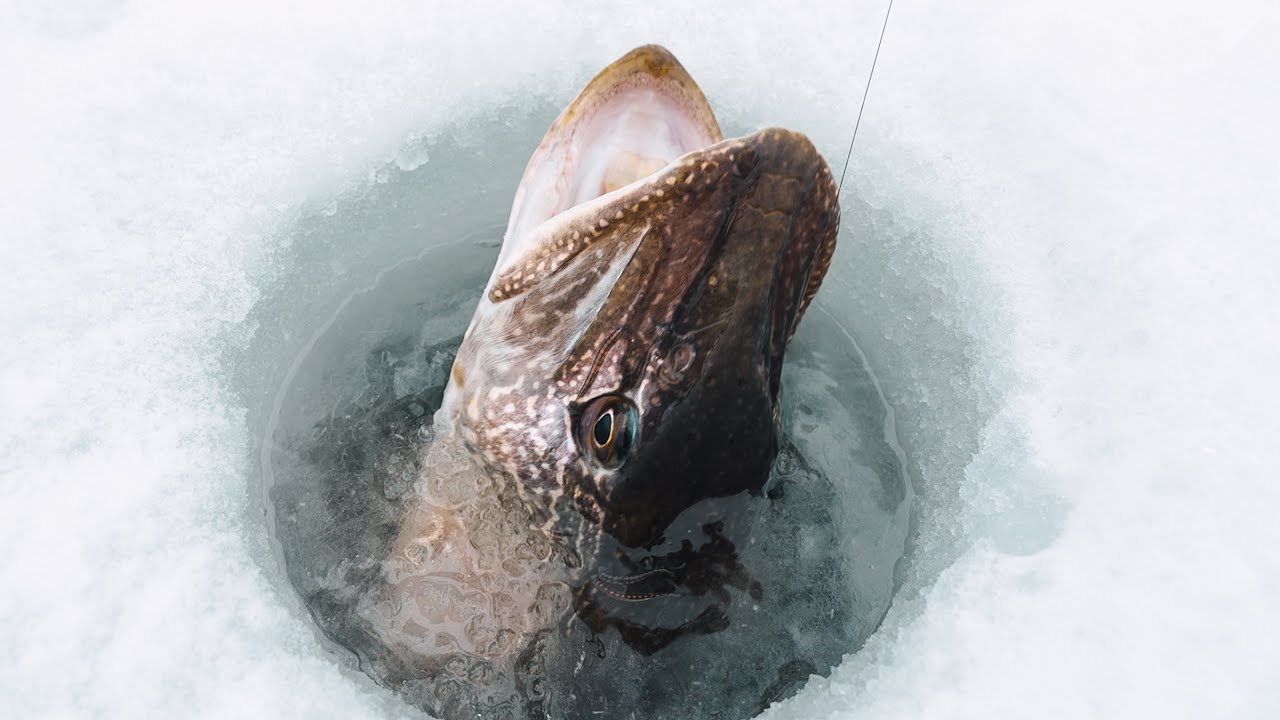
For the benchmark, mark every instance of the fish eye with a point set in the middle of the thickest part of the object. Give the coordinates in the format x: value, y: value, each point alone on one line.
x: 607, y: 430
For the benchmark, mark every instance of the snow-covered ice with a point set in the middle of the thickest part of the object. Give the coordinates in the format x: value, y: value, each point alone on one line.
x: 1059, y: 254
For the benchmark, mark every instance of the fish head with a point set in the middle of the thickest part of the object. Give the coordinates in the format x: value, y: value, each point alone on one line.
x: 627, y: 354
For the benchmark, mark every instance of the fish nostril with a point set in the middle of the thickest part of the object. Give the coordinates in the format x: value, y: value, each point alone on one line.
x: 681, y: 357
x: 677, y: 362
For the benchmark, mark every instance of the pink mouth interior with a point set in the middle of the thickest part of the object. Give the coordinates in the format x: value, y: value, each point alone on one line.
x: 624, y: 134
x: 632, y: 134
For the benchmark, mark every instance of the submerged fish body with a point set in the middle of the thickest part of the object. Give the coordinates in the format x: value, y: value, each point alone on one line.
x: 604, y: 449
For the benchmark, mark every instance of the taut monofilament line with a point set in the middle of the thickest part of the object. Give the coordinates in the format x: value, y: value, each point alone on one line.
x: 865, y: 92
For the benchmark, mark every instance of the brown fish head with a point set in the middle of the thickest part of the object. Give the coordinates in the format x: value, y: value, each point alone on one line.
x: 629, y: 348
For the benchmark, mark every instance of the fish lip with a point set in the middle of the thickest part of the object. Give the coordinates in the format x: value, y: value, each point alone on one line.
x: 556, y: 242
x: 651, y: 63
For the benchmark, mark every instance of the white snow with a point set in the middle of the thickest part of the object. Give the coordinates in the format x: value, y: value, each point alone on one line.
x: 1059, y: 253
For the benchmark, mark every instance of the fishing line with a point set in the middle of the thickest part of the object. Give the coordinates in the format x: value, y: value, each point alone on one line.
x: 865, y: 92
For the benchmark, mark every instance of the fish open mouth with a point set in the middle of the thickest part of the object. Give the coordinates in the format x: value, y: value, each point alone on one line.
x: 653, y: 273
x: 632, y: 120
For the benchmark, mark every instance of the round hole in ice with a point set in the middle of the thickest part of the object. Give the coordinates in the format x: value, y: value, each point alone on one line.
x: 371, y: 304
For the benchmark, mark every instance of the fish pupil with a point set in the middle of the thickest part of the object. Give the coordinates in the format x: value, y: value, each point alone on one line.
x: 603, y: 430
